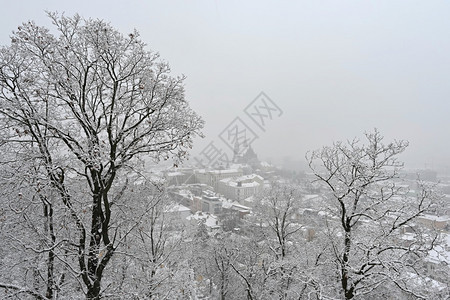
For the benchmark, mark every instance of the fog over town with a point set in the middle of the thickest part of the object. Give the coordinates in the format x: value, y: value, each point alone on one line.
x: 335, y: 69
x: 224, y: 150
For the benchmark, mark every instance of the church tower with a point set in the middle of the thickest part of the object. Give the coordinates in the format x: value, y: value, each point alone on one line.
x: 236, y: 148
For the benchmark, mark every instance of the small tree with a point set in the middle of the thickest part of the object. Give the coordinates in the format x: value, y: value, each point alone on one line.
x: 278, y: 207
x: 27, y: 224
x: 370, y: 209
x: 152, y: 263
x: 91, y: 102
x: 276, y: 210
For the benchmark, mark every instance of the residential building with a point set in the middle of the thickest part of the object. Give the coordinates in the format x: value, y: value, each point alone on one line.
x: 211, y: 203
x: 242, y: 187
x: 212, y: 177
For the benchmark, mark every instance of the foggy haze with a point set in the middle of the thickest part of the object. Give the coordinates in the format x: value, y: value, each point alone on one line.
x: 335, y: 69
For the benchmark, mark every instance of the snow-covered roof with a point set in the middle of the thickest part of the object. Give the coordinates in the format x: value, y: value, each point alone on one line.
x: 441, y: 252
x: 240, y: 206
x: 250, y: 199
x: 172, y: 174
x: 244, y: 181
x: 235, y: 206
x: 226, y: 171
x: 246, y: 184
x: 435, y: 218
x: 210, y: 220
x: 408, y: 236
x: 185, y: 192
x: 237, y: 166
x: 438, y: 255
x: 178, y: 208
x: 429, y: 282
x: 265, y: 164
x: 226, y: 204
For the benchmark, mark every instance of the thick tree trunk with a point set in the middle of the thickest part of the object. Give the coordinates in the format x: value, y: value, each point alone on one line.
x: 94, y: 292
x: 99, y: 234
x: 347, y: 286
x: 48, y: 212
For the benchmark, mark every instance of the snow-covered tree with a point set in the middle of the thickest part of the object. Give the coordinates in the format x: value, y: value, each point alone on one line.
x: 277, y: 208
x: 152, y: 262
x: 369, y: 210
x: 27, y: 226
x: 276, y: 211
x: 90, y: 102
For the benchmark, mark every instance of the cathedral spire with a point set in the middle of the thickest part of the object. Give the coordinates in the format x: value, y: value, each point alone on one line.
x: 236, y: 147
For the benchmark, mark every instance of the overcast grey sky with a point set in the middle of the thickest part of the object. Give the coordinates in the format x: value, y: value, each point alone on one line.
x: 335, y: 68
